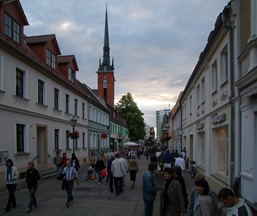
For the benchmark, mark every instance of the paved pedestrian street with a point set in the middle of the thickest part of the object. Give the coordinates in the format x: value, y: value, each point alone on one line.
x: 89, y: 197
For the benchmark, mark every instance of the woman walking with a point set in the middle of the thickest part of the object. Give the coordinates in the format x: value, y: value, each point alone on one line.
x: 75, y: 161
x: 32, y: 176
x: 203, y: 202
x: 172, y: 200
x: 93, y: 160
x: 133, y: 169
x: 11, y: 175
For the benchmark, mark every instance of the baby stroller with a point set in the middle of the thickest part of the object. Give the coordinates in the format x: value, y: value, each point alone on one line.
x: 90, y: 173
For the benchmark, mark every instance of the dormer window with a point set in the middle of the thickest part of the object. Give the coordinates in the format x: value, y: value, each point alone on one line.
x: 51, y: 59
x: 11, y: 28
x: 71, y: 75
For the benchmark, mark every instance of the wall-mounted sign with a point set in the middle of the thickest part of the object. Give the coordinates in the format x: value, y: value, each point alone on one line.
x: 199, y: 126
x: 104, y: 136
x: 3, y: 157
x: 217, y: 118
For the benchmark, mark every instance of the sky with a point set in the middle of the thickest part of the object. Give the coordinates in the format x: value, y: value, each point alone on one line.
x: 155, y: 43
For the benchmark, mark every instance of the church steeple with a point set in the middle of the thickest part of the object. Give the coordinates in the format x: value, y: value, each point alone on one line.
x: 106, y: 66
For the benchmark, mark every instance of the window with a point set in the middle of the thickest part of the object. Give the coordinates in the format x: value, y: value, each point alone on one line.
x: 56, y: 138
x: 84, y: 140
x: 51, y: 59
x: 20, y: 134
x: 94, y: 115
x: 222, y: 144
x: 20, y: 83
x: 203, y: 90
x: 91, y: 140
x: 198, y: 94
x: 1, y: 73
x: 214, y: 76
x: 76, y: 107
x: 224, y: 65
x: 71, y: 75
x: 11, y: 28
x: 67, y: 140
x: 97, y: 116
x: 90, y: 113
x: 41, y: 92
x: 201, y: 149
x: 83, y: 111
x: 56, y: 99
x: 67, y: 103
x: 190, y: 104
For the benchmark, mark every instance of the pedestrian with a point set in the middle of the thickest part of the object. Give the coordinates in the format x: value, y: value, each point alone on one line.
x: 11, y: 175
x: 93, y: 159
x: 70, y: 174
x: 109, y: 171
x: 118, y: 173
x: 63, y: 161
x: 172, y: 200
x: 203, y: 203
x: 99, y: 168
x: 149, y: 190
x: 180, y: 162
x: 177, y: 174
x: 57, y: 162
x: 104, y: 158
x: 138, y: 153
x: 75, y: 161
x: 124, y: 165
x: 237, y: 207
x: 167, y: 157
x: 133, y: 169
x: 32, y: 176
x: 194, y: 198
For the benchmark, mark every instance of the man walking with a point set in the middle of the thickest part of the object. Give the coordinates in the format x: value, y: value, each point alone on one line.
x: 149, y: 190
x: 118, y: 172
x: 237, y: 207
x: 70, y: 174
x: 57, y: 162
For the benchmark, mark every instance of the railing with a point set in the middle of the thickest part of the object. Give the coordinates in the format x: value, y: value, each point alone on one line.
x: 35, y: 158
x: 49, y: 156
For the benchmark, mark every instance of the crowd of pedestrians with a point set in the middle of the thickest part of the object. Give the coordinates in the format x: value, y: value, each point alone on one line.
x: 114, y: 166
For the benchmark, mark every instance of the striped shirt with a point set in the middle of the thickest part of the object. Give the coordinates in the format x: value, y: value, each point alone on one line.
x: 70, y: 173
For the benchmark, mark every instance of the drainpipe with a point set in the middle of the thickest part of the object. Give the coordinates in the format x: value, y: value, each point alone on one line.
x: 232, y: 92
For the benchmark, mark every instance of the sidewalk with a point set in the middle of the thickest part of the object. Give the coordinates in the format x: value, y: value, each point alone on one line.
x: 89, y: 197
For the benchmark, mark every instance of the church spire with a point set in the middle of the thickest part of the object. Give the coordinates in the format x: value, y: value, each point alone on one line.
x: 106, y: 66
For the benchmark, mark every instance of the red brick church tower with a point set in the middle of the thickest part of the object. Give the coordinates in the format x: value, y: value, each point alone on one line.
x: 106, y: 71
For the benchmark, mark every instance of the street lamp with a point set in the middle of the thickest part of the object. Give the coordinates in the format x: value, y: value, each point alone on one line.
x: 73, y: 123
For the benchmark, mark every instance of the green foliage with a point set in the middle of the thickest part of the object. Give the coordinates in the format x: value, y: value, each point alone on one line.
x: 133, y: 115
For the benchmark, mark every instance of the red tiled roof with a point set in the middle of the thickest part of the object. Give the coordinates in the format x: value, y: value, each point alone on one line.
x: 39, y: 39
x: 65, y: 59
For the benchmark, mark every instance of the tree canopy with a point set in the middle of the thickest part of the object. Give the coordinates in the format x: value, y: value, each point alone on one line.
x: 128, y: 108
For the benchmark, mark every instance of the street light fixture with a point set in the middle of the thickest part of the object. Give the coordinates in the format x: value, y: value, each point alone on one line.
x: 73, y: 123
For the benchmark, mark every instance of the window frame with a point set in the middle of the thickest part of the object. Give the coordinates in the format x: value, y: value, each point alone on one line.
x: 50, y: 59
x: 57, y: 99
x: 198, y: 95
x: 24, y: 82
x: 67, y: 139
x: 1, y: 73
x: 76, y: 111
x: 67, y: 103
x: 224, y: 67
x: 71, y: 75
x: 25, y: 138
x: 83, y: 110
x: 14, y: 28
x: 214, y: 76
x: 203, y: 90
x: 57, y: 138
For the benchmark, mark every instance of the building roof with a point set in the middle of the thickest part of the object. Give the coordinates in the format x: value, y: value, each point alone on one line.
x: 176, y: 106
x: 66, y: 59
x: 43, y: 39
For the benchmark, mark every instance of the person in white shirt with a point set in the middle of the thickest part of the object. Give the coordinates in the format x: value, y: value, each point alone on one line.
x: 237, y: 207
x: 118, y: 172
x: 180, y: 162
x: 124, y: 164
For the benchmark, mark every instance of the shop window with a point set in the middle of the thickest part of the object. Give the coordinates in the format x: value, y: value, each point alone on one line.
x: 201, y: 149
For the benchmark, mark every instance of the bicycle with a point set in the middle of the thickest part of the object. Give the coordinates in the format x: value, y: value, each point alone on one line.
x: 193, y: 169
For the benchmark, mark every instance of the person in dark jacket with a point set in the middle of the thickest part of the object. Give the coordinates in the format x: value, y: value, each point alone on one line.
x: 75, y: 161
x: 109, y: 171
x: 177, y: 174
x: 32, y: 176
x: 99, y: 168
x: 167, y: 157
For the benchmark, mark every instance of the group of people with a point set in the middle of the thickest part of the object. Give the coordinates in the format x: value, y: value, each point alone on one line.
x: 117, y: 168
x: 174, y: 201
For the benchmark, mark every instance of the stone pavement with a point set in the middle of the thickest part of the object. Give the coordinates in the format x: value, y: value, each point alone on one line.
x: 89, y: 197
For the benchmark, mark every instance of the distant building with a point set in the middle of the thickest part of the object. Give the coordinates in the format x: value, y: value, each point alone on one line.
x: 159, y: 119
x: 147, y: 131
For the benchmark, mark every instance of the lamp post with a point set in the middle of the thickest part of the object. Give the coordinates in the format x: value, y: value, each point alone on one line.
x: 73, y: 123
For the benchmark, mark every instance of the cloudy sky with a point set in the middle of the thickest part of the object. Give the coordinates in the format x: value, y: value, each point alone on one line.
x: 155, y: 43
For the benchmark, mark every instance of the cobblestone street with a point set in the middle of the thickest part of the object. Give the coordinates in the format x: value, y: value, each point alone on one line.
x: 89, y: 197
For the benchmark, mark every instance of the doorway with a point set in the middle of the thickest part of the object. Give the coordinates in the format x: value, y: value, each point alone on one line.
x: 41, y: 145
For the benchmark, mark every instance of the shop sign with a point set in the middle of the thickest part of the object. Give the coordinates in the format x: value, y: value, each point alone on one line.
x: 199, y: 126
x: 217, y: 118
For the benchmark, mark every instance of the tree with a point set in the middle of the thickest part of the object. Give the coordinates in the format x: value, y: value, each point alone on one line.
x: 133, y: 115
